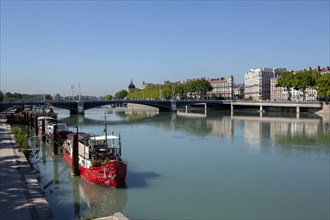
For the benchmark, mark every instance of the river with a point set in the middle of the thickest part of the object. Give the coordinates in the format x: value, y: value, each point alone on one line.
x: 212, y: 165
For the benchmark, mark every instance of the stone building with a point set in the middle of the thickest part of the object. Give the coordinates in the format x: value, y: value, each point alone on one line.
x: 257, y: 82
x: 223, y: 87
x: 238, y: 91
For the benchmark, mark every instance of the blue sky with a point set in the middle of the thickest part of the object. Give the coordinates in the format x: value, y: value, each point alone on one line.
x: 101, y: 45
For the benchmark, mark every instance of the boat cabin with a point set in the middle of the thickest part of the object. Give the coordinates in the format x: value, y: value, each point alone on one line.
x: 48, y: 121
x: 94, y: 150
x: 60, y: 127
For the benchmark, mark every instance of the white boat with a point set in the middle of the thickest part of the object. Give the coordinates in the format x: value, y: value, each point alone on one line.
x: 48, y: 121
x: 62, y: 131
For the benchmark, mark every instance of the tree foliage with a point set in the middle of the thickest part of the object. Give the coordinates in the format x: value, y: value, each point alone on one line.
x: 286, y: 81
x: 323, y: 85
x: 121, y: 94
x: 1, y: 96
x: 172, y: 90
x: 305, y: 79
x: 14, y: 97
x: 108, y: 97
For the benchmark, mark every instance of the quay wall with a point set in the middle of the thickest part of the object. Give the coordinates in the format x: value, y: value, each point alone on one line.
x: 325, y: 112
x: 132, y: 106
x: 21, y: 196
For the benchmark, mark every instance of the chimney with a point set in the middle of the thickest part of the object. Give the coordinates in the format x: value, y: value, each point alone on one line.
x: 318, y: 68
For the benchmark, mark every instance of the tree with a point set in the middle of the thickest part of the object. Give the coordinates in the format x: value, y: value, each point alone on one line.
x: 323, y: 86
x: 121, y: 94
x: 199, y: 86
x: 108, y: 97
x: 1, y: 96
x: 202, y: 86
x: 286, y: 80
x: 305, y: 79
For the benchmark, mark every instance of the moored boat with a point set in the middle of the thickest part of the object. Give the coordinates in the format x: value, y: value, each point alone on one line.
x: 62, y: 132
x: 48, y: 121
x: 99, y: 160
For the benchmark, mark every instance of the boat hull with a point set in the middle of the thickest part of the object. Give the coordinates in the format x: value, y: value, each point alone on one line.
x: 109, y: 174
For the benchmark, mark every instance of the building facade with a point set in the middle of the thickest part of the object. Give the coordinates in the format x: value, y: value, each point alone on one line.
x: 257, y: 82
x: 238, y: 91
x: 223, y: 87
x: 277, y: 93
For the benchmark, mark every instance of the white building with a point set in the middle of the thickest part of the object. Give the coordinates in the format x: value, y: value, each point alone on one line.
x: 257, y: 82
x: 223, y: 87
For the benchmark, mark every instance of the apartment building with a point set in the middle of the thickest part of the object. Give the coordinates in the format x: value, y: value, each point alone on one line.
x: 257, y: 82
x: 238, y: 91
x: 277, y: 93
x: 223, y: 87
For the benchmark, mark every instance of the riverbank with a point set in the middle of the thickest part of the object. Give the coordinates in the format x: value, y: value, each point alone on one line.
x: 21, y: 196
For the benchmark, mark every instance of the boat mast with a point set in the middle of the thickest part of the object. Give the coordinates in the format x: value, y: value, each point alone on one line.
x: 119, y: 145
x: 105, y: 129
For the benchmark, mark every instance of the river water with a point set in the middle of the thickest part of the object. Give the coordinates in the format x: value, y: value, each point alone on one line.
x: 198, y: 165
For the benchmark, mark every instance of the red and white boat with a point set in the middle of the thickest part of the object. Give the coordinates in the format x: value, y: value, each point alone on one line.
x: 99, y: 160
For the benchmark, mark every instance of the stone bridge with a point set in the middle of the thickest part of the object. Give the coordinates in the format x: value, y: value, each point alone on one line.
x: 76, y: 107
x: 79, y: 107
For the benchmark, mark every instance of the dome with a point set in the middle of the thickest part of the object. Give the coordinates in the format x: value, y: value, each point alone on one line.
x: 131, y: 86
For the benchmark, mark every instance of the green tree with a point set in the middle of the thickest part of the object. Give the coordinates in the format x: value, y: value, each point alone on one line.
x: 202, y: 86
x: 170, y: 90
x: 108, y: 97
x: 305, y: 79
x: 1, y: 96
x: 121, y: 94
x: 323, y: 86
x: 199, y: 86
x: 180, y: 89
x: 286, y: 80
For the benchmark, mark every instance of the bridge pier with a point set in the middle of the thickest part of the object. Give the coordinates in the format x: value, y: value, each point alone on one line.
x: 173, y: 106
x: 80, y: 109
x: 75, y: 112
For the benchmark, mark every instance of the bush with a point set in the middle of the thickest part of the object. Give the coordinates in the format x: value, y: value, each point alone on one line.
x: 21, y: 137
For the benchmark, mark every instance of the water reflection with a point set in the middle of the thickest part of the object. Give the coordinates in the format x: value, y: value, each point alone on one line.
x: 71, y: 197
x: 154, y: 179
x: 102, y: 200
x: 285, y: 132
x: 280, y: 128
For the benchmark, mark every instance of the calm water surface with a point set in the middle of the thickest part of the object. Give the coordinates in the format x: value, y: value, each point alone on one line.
x: 197, y: 166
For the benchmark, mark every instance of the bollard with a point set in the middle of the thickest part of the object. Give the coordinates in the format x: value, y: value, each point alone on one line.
x: 55, y: 147
x: 30, y: 120
x: 25, y: 117
x: 75, y: 159
x: 36, y: 125
x: 43, y: 130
